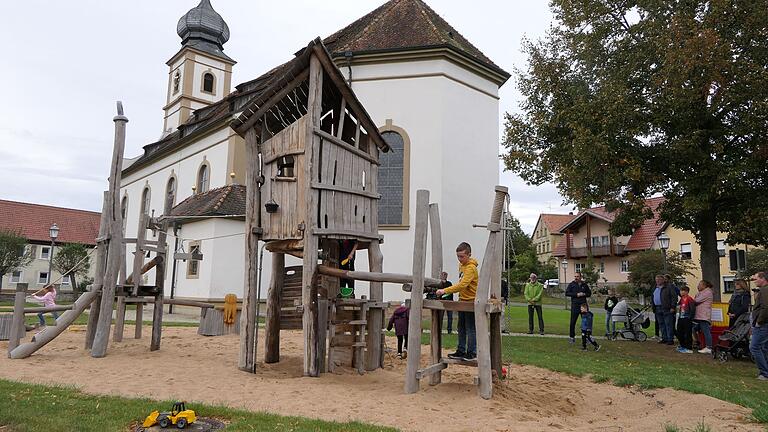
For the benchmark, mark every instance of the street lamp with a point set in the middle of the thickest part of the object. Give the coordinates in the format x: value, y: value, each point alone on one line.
x: 663, y: 239
x: 53, y: 231
x: 565, y: 270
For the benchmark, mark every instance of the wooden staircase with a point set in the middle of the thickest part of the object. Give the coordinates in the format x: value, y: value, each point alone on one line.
x: 347, y: 328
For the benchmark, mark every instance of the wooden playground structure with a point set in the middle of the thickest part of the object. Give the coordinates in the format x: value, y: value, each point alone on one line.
x: 312, y: 157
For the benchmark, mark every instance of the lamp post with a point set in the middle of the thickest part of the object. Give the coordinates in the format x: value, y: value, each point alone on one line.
x: 564, y: 264
x: 53, y: 231
x: 663, y: 239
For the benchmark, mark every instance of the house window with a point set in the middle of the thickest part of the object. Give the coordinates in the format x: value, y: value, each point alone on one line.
x: 605, y: 241
x: 602, y: 266
x: 686, y: 251
x: 42, y: 278
x: 579, y: 267
x: 45, y: 252
x: 548, y: 249
x: 203, y: 178
x: 392, y: 181
x: 729, y: 284
x: 208, y: 82
x: 170, y: 189
x: 193, y: 266
x: 721, y: 248
x: 285, y: 166
x: 145, y: 198
x: 65, y: 280
x: 625, y: 266
x: 737, y: 259
x: 16, y: 276
x: 599, y: 241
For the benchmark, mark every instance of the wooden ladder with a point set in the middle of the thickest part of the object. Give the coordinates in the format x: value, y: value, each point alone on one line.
x: 356, y: 324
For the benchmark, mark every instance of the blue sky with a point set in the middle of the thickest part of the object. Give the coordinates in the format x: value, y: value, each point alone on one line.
x: 70, y: 61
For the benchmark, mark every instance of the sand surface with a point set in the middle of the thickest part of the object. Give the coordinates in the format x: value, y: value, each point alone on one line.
x: 534, y: 399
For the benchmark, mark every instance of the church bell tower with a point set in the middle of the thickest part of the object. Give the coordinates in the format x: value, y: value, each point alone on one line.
x: 200, y: 73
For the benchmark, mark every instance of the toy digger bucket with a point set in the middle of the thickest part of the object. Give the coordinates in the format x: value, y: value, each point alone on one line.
x: 151, y: 419
x: 346, y: 292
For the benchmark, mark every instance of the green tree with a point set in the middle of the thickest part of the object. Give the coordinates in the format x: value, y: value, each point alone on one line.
x: 13, y: 252
x: 757, y: 261
x: 624, y: 100
x: 517, y: 241
x: 71, y: 260
x: 644, y: 266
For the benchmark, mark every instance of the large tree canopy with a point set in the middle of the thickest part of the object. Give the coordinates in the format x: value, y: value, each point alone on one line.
x: 13, y: 252
x: 627, y: 99
x: 71, y: 260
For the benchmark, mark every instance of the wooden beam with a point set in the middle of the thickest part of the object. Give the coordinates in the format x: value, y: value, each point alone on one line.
x: 101, y: 338
x: 17, y: 324
x: 431, y: 370
x: 344, y: 189
x: 342, y: 115
x: 274, y: 297
x: 419, y: 258
x: 309, y: 285
x: 436, y: 335
x: 248, y: 319
x: 348, y: 147
x: 375, y: 341
x: 190, y: 303
x: 255, y: 116
x: 160, y: 272
x: 458, y: 306
x: 139, y: 320
x: 396, y: 278
x: 348, y: 233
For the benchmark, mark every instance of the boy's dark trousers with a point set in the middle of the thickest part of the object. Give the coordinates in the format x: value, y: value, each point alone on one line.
x: 537, y: 308
x: 586, y: 336
x: 450, y: 320
x: 402, y: 342
x: 684, y: 332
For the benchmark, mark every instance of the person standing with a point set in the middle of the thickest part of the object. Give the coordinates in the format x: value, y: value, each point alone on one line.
x: 702, y: 320
x: 610, y: 303
x: 665, y: 304
x: 579, y: 292
x: 586, y: 328
x: 758, y: 346
x: 467, y: 288
x: 399, y: 320
x: 533, y: 291
x: 740, y: 302
x: 684, y: 322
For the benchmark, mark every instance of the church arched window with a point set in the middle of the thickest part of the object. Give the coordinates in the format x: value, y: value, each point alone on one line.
x: 208, y: 81
x: 145, y: 199
x: 203, y: 178
x: 393, y: 182
x: 170, y: 188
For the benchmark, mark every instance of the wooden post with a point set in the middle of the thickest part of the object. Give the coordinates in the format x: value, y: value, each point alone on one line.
x: 485, y: 385
x: 375, y: 341
x: 436, y: 335
x: 309, y: 287
x: 322, y: 333
x: 98, y: 274
x: 274, y: 298
x: 417, y: 293
x: 139, y: 320
x: 101, y: 339
x: 495, y: 318
x: 248, y: 318
x: 160, y: 273
x: 17, y: 325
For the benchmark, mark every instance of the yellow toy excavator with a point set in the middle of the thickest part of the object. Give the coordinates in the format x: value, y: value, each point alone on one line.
x: 179, y: 416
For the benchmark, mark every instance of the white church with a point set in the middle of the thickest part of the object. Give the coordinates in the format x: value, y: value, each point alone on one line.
x: 434, y: 96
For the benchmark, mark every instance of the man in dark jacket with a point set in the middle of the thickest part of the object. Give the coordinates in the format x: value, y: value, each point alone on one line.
x: 758, y: 346
x: 740, y: 302
x: 666, y: 309
x: 579, y: 292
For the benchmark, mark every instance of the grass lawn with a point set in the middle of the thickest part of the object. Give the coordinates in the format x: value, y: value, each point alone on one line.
x: 645, y: 364
x: 27, y: 407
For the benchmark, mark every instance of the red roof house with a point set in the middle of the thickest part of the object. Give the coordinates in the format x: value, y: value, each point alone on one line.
x: 34, y: 220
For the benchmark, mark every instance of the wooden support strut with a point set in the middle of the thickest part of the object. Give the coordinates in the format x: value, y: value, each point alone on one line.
x: 419, y: 258
x: 396, y: 278
x: 160, y: 273
x: 274, y: 297
x: 375, y: 341
x: 101, y: 338
x: 436, y: 334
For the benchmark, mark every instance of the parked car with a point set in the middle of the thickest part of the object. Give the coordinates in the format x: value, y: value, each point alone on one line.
x: 552, y: 283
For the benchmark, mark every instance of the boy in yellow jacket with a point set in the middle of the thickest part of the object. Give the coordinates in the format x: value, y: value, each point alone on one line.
x: 467, y: 288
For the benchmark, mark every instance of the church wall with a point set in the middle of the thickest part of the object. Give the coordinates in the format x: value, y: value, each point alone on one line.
x: 178, y: 65
x: 202, y: 65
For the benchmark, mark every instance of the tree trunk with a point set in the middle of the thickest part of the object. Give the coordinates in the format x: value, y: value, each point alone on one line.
x: 2, y: 275
x: 710, y: 260
x: 73, y: 281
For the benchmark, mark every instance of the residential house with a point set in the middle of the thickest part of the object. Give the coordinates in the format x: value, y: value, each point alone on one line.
x: 546, y: 235
x: 33, y: 221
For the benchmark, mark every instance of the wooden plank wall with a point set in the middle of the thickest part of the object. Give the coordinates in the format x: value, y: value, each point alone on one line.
x: 284, y: 223
x: 342, y: 170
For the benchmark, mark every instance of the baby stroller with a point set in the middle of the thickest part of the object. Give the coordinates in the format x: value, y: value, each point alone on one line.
x: 734, y: 342
x: 634, y: 321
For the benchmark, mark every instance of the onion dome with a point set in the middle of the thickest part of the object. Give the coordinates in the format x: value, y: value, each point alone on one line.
x: 204, y: 29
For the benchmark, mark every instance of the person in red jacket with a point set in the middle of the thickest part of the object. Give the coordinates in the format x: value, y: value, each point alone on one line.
x: 684, y: 321
x: 399, y: 320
